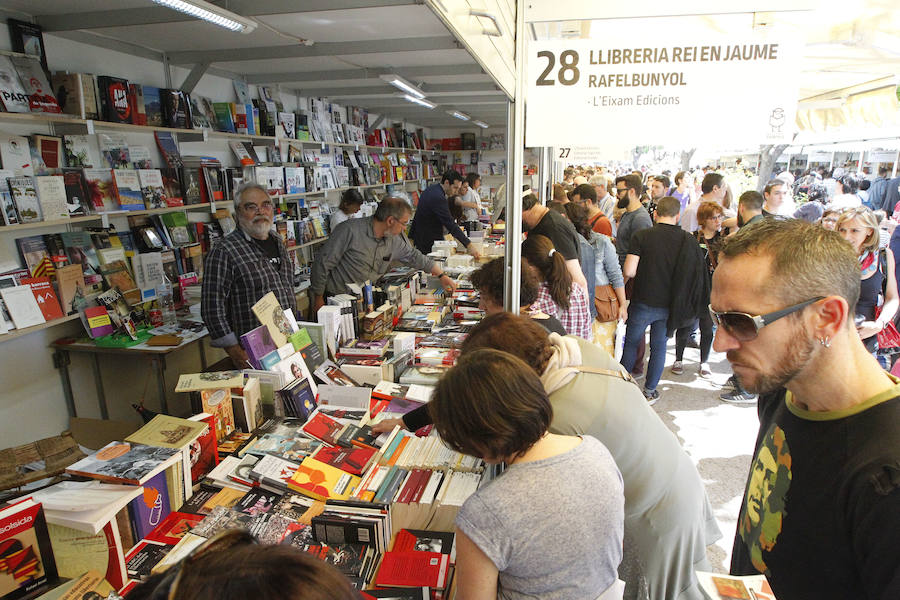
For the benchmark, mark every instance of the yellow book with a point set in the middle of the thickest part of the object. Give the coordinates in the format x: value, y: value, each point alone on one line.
x: 322, y: 482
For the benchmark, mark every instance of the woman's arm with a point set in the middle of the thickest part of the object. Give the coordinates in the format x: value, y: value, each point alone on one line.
x: 891, y: 298
x: 476, y: 572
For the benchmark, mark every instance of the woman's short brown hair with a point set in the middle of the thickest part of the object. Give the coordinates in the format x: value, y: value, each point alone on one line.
x: 490, y: 405
x: 708, y: 210
x: 517, y: 335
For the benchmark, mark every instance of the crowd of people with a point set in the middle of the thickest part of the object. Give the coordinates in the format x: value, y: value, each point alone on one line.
x: 599, y: 500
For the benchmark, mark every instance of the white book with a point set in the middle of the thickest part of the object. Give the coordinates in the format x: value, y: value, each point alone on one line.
x: 13, y: 96
x: 294, y: 367
x: 51, y: 191
x: 152, y: 188
x: 22, y: 306
x: 81, y: 151
x: 15, y: 154
x: 85, y: 505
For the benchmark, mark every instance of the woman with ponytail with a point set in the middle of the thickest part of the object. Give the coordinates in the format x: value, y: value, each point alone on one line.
x: 559, y: 295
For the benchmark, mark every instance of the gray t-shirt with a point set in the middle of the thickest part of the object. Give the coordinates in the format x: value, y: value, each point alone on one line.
x: 552, y: 527
x: 631, y: 222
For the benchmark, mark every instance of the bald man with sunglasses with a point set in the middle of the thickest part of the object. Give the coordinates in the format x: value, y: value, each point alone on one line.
x: 821, y: 511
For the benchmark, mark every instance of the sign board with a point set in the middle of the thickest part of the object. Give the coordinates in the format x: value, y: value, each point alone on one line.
x: 574, y: 10
x: 667, y: 89
x: 881, y: 156
x: 583, y: 155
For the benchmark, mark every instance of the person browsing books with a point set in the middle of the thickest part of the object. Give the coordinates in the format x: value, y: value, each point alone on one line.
x: 821, y: 511
x: 351, y: 201
x: 241, y: 268
x: 668, y: 518
x: 361, y: 250
x: 517, y: 534
x: 433, y: 215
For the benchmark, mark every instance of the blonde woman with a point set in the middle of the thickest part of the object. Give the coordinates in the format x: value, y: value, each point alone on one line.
x: 859, y: 226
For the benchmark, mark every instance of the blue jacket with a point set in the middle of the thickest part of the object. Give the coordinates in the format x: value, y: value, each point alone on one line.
x: 432, y: 216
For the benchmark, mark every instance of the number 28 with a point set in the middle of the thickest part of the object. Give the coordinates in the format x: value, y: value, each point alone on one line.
x: 568, y: 73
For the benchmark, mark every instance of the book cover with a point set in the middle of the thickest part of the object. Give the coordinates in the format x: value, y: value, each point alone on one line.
x: 136, y: 97
x: 298, y: 398
x: 140, y: 157
x: 153, y: 106
x: 114, y: 148
x: 152, y: 188
x: 166, y: 431
x: 224, y: 119
x: 22, y: 306
x: 273, y: 472
x: 81, y: 251
x: 143, y: 557
x: 271, y: 314
x: 101, y: 189
x: 114, y: 99
x: 171, y: 179
x: 413, y: 569
x: 177, y: 225
x: 24, y: 193
x: 257, y: 343
x: 168, y: 146
x: 176, y: 108
x: 174, y: 527
x: 12, y: 94
x: 117, y: 276
x: 51, y: 192
x: 34, y: 81
x: 352, y: 460
x: 35, y: 255
x: 27, y: 563
x: 324, y: 428
x: 258, y: 501
x: 97, y: 322
x: 294, y: 367
x: 322, y: 482
x: 49, y: 147
x: 15, y: 154
x: 7, y: 204
x: 244, y: 152
x: 78, y: 202
x: 75, y: 94
x: 191, y: 184
x: 81, y: 151
x: 122, y: 462
x: 149, y: 509
x: 78, y: 551
x: 417, y: 540
x: 214, y: 183
x: 294, y: 180
x: 217, y: 401
x: 204, y: 450
x: 70, y: 280
x: 45, y: 297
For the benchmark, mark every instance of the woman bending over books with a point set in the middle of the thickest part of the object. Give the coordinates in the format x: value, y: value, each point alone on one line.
x: 516, y: 536
x: 668, y: 518
x: 232, y: 566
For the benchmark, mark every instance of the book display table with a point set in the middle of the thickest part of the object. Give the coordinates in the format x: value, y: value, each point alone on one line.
x: 155, y: 354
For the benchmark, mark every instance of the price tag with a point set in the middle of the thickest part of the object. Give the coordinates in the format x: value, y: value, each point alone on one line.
x: 104, y: 220
x: 90, y: 126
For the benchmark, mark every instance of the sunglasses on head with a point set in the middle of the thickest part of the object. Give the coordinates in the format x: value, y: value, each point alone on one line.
x: 744, y: 327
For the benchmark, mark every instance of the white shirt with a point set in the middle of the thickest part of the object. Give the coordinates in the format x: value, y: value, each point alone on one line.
x: 471, y: 214
x: 845, y: 201
x: 338, y: 217
x: 688, y: 219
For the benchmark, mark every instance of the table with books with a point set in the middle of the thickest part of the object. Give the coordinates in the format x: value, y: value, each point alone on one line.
x: 189, y: 333
x: 286, y: 450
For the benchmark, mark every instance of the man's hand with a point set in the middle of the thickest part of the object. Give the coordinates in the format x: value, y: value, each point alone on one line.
x: 318, y: 302
x: 386, y: 425
x: 238, y: 357
x: 473, y: 251
x: 448, y: 284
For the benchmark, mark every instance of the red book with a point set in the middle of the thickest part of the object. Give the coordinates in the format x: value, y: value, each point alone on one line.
x: 324, y: 428
x: 351, y: 460
x: 46, y: 297
x: 204, y: 450
x: 174, y: 527
x: 413, y: 569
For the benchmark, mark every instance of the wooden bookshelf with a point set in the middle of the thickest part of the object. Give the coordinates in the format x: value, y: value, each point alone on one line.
x: 307, y: 244
x: 17, y: 333
x: 53, y: 223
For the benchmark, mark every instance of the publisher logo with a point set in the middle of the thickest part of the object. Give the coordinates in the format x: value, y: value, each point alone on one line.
x: 16, y: 524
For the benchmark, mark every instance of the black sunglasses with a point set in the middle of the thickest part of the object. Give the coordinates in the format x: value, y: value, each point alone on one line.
x: 744, y: 327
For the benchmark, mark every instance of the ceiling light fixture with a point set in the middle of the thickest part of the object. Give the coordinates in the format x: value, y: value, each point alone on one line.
x: 403, y: 85
x: 419, y: 101
x: 211, y: 13
x: 481, y: 124
x: 459, y: 115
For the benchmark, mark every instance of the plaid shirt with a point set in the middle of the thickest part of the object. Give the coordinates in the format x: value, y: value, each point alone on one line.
x: 577, y: 319
x: 236, y: 274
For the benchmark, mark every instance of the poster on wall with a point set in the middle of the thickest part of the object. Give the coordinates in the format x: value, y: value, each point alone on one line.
x: 620, y: 88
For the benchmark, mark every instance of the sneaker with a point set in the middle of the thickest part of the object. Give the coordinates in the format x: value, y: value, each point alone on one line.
x: 730, y: 385
x: 677, y: 368
x: 651, y: 395
x: 705, y: 371
x: 739, y: 397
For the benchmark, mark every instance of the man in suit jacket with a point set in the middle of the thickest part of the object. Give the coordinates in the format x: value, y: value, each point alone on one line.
x: 433, y: 215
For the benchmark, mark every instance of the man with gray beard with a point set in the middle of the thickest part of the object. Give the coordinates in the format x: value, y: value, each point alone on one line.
x: 241, y: 268
x: 821, y: 510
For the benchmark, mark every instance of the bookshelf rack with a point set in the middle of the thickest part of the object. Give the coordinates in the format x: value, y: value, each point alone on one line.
x: 288, y: 197
x: 307, y: 244
x: 16, y: 333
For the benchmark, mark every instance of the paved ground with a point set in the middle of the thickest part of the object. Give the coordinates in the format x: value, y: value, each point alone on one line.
x: 718, y: 436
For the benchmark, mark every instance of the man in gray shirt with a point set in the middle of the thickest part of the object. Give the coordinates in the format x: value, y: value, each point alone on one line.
x: 363, y: 249
x: 635, y: 218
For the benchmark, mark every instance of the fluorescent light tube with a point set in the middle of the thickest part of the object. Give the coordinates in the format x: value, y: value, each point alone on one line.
x: 481, y: 124
x: 211, y: 13
x: 403, y: 85
x: 459, y: 115
x: 419, y: 101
